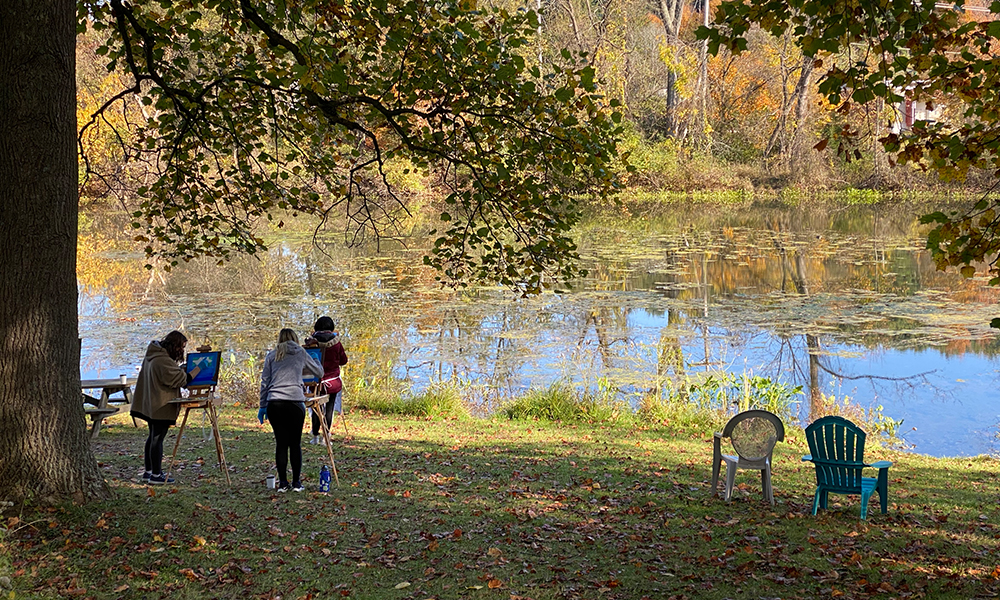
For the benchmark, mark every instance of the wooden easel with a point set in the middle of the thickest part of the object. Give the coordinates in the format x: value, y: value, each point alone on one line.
x: 316, y: 403
x: 204, y: 397
x: 312, y: 388
x: 343, y: 416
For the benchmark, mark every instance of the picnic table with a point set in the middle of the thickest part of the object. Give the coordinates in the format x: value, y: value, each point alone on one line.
x: 106, y: 405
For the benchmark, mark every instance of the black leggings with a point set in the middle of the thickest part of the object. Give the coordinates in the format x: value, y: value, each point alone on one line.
x: 153, y: 456
x: 331, y: 407
x: 286, y: 420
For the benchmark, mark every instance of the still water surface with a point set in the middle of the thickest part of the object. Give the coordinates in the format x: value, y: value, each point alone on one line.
x: 842, y: 300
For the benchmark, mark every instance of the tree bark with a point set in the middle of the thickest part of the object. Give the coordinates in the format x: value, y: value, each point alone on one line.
x: 672, y: 15
x: 571, y: 11
x: 44, y: 451
x: 799, y: 101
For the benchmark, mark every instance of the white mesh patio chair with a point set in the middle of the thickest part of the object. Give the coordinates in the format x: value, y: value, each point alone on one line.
x: 753, y: 434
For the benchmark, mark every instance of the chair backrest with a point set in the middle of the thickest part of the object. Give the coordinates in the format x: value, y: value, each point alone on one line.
x: 837, y: 447
x: 754, y: 434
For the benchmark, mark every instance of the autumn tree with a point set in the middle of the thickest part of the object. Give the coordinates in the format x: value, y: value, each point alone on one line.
x: 895, y: 51
x: 304, y: 107
x: 258, y: 110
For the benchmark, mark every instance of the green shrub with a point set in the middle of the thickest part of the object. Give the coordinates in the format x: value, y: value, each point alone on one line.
x: 727, y: 393
x: 879, y: 427
x: 376, y: 399
x: 440, y: 401
x: 239, y: 380
x: 556, y: 403
x: 559, y: 402
x: 675, y: 413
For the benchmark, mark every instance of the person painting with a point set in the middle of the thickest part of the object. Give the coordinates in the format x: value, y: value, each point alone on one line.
x: 283, y: 403
x: 161, y: 378
x: 334, y: 357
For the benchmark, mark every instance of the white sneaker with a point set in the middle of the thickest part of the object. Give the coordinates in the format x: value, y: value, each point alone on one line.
x: 315, y: 440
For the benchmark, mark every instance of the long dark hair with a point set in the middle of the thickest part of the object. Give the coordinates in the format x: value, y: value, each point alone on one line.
x: 173, y: 343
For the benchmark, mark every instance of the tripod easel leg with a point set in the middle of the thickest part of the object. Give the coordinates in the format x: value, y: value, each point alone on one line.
x: 177, y: 444
x: 326, y: 440
x: 214, y: 418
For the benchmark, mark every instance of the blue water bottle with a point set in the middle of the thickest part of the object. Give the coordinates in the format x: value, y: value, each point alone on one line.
x: 324, y: 479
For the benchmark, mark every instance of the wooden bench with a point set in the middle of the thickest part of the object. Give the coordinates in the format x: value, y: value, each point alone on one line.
x: 97, y: 416
x: 105, y: 406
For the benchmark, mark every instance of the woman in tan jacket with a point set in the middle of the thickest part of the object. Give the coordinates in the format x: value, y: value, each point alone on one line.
x: 160, y: 379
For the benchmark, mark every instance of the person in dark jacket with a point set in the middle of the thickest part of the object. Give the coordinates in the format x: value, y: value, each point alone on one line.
x: 161, y: 378
x: 283, y: 403
x: 325, y: 336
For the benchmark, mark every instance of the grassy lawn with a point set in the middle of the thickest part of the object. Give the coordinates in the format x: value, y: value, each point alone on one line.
x: 489, y: 509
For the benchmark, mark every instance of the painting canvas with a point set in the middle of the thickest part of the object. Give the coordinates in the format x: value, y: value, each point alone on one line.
x: 316, y: 353
x: 209, y: 363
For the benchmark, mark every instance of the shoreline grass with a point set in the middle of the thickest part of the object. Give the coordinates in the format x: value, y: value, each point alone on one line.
x: 495, y: 508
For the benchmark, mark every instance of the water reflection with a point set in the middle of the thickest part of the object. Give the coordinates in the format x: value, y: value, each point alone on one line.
x: 839, y: 299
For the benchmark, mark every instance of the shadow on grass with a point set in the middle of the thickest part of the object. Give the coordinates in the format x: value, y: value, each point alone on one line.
x: 497, y: 509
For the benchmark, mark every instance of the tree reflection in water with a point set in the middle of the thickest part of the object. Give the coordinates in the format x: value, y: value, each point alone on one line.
x: 823, y: 296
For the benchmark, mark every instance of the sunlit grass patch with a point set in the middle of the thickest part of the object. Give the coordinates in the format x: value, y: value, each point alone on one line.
x: 730, y: 393
x: 438, y: 401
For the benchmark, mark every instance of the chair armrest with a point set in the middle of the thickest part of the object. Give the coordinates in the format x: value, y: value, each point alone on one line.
x: 807, y: 458
x: 882, y: 464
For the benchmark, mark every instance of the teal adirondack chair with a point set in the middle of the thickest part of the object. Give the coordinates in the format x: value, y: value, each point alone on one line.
x: 838, y: 448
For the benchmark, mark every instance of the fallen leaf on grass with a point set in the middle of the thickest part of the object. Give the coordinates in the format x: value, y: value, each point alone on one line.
x: 402, y: 585
x: 494, y: 584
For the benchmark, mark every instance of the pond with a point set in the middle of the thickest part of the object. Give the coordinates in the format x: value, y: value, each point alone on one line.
x: 841, y: 299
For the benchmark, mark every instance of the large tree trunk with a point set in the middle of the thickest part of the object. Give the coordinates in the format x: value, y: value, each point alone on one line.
x: 44, y: 450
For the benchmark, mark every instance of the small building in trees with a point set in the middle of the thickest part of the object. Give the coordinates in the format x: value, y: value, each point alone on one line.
x: 911, y: 110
